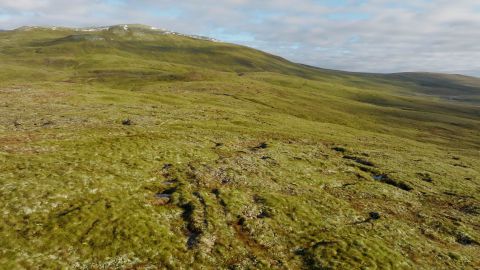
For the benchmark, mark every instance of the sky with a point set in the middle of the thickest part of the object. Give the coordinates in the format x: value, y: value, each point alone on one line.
x: 355, y: 35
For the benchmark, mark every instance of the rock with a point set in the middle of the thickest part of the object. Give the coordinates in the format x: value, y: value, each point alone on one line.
x: 162, y: 199
x: 127, y: 122
x: 226, y: 180
x: 171, y: 182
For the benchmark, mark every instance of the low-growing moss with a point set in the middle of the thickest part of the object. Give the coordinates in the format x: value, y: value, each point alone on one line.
x: 148, y: 150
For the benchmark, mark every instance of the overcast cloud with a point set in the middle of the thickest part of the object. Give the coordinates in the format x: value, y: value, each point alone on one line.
x: 356, y: 35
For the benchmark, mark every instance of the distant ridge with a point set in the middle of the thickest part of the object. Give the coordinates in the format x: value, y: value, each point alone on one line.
x: 121, y: 27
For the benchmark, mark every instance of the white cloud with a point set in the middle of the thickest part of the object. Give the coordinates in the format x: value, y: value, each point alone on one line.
x: 24, y: 4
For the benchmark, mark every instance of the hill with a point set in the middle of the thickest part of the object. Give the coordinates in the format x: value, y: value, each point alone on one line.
x: 128, y: 147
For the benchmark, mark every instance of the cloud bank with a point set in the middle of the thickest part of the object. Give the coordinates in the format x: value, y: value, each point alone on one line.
x: 355, y: 35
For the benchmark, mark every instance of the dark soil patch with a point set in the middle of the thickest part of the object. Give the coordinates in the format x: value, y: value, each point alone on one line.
x: 339, y: 149
x: 264, y: 214
x: 425, y: 177
x: 389, y: 181
x: 460, y: 165
x: 262, y: 145
x: 47, y: 123
x: 360, y: 161
x: 470, y: 209
x: 466, y: 240
x: 194, y: 231
x: 167, y: 166
x: 222, y: 202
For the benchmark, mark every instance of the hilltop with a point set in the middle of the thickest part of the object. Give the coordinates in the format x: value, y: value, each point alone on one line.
x: 127, y: 147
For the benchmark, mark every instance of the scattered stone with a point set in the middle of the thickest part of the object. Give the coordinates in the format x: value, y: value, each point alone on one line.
x: 226, y: 180
x: 162, y: 199
x: 162, y: 195
x: 127, y: 122
x: 374, y: 215
x: 17, y: 124
x: 170, y: 182
x: 218, y: 144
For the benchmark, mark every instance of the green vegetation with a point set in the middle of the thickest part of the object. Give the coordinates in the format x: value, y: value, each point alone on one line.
x: 137, y: 149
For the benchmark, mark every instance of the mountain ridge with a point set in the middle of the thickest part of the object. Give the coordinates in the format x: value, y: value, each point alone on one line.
x: 124, y: 27
x: 165, y: 31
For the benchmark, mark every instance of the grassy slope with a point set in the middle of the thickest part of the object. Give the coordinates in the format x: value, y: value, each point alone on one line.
x: 77, y: 188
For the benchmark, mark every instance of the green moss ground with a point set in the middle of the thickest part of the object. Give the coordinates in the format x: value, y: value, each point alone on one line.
x: 267, y: 164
